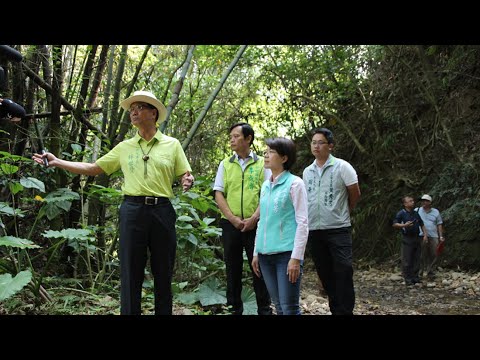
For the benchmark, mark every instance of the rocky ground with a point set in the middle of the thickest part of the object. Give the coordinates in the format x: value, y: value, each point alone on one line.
x: 382, y: 291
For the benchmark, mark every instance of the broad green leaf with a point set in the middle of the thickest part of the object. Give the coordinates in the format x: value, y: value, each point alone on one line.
x: 200, y: 205
x: 76, y: 148
x: 7, y: 155
x: 192, y: 195
x: 9, y: 169
x: 187, y: 298
x: 193, y: 239
x: 211, y: 231
x: 208, y: 221
x: 82, y: 234
x: 185, y: 218
x: 7, y: 210
x: 83, y: 243
x: 64, y: 205
x: 249, y: 301
x: 62, y: 194
x: 17, y: 242
x: 15, y: 187
x: 210, y: 294
x: 52, y: 211
x: 32, y: 183
x: 9, y: 286
x: 177, y: 288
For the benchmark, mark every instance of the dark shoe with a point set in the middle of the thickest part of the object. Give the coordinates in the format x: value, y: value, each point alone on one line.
x: 264, y: 310
x: 417, y: 280
x: 409, y: 282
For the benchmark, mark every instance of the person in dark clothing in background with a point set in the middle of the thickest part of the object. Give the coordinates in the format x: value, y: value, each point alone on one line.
x: 410, y: 223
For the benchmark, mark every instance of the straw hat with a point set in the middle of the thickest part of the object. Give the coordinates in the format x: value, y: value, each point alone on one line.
x: 149, y: 98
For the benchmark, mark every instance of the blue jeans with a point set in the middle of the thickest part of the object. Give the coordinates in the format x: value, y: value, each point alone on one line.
x: 284, y: 294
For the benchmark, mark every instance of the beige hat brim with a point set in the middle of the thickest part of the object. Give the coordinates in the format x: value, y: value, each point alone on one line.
x: 162, y: 111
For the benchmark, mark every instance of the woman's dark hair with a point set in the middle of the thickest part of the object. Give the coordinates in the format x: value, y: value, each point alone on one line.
x: 246, y: 130
x: 327, y: 133
x: 284, y: 147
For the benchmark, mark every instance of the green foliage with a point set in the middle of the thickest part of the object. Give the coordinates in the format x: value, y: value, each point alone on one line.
x: 197, y: 234
x: 8, y: 169
x: 10, y: 286
x: 416, y: 113
x: 77, y: 238
x: 15, y: 242
x: 33, y: 183
x: 68, y: 298
x: 57, y: 202
x: 209, y: 293
x: 7, y: 210
x: 249, y: 301
x: 106, y: 195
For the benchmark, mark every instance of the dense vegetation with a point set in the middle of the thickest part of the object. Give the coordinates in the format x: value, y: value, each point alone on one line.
x: 406, y: 117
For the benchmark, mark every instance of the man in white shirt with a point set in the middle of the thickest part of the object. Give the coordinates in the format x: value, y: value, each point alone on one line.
x: 435, y: 232
x: 332, y: 191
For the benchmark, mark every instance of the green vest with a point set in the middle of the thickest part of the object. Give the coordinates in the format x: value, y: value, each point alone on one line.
x: 242, y: 188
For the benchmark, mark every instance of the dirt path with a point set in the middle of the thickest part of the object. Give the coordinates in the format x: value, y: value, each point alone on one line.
x: 381, y: 291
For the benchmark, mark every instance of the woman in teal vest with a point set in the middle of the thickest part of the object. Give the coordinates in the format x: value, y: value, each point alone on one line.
x: 282, y: 231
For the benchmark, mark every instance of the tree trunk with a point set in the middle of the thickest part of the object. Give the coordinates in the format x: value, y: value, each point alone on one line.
x: 212, y: 97
x: 178, y: 87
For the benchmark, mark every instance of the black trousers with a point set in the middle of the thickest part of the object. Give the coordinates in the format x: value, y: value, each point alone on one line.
x: 234, y: 241
x: 146, y: 227
x: 411, y: 258
x: 331, y: 251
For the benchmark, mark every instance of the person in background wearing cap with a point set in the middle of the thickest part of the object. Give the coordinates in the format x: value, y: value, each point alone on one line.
x: 237, y: 193
x: 332, y: 192
x: 410, y: 223
x: 150, y: 162
x: 435, y: 233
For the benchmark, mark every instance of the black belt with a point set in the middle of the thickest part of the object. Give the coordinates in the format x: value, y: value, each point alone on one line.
x: 147, y: 200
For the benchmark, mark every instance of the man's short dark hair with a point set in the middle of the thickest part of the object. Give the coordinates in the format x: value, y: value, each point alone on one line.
x: 405, y: 197
x: 246, y: 130
x: 326, y: 132
x: 284, y: 147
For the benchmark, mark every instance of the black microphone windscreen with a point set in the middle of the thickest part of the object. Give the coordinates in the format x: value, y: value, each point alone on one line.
x: 12, y: 109
x: 10, y: 53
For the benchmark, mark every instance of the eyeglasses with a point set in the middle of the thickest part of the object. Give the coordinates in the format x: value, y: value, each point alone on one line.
x: 319, y: 142
x: 138, y: 108
x: 269, y: 152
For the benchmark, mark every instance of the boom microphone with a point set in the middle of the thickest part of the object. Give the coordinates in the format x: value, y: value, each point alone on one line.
x: 10, y: 53
x: 11, y: 109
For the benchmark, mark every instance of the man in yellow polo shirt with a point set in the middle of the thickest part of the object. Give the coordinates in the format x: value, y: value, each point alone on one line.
x: 150, y: 162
